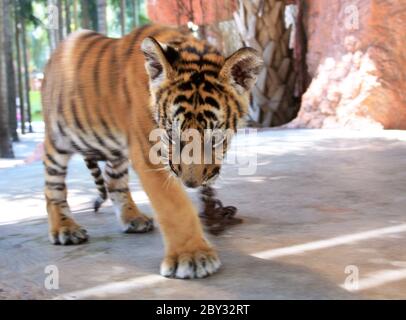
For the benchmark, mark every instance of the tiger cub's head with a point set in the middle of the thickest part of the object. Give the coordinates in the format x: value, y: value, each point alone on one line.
x: 198, y: 98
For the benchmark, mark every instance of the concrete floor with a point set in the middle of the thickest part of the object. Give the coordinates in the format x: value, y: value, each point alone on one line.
x: 321, y: 203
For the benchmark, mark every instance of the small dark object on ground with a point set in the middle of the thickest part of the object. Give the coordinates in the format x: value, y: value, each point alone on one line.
x: 214, y: 215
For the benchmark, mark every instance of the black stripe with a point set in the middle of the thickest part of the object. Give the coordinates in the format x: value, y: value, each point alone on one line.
x: 76, y: 119
x: 120, y: 190
x: 54, y: 172
x: 89, y: 45
x: 179, y: 111
x: 84, y: 106
x: 188, y: 115
x: 99, y: 182
x: 208, y: 87
x: 210, y: 114
x: 58, y: 202
x: 197, y: 78
x: 201, y: 119
x: 58, y: 150
x: 211, y: 101
x: 96, y: 174
x: 96, y: 70
x: 91, y: 164
x: 100, y: 140
x: 235, y: 122
x: 135, y: 38
x: 182, y: 98
x: 127, y: 93
x: 114, y: 69
x: 191, y: 49
x: 54, y: 185
x: 199, y: 97
x: 96, y: 78
x: 60, y: 103
x: 60, y: 128
x: 57, y: 188
x: 185, y: 86
x: 117, y: 153
x: 212, y: 73
x: 53, y: 161
x: 95, y: 154
x: 76, y: 147
x: 173, y: 85
x: 145, y: 145
x: 92, y: 148
x: 228, y: 114
x: 109, y: 133
x: 239, y: 109
x: 117, y: 175
x: 116, y: 162
x: 200, y: 63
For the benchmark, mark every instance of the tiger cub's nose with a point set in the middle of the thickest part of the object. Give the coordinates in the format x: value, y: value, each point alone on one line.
x: 191, y: 183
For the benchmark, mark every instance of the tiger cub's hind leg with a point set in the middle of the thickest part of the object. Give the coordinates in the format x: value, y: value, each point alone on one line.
x: 99, y: 181
x: 62, y: 228
x: 130, y: 218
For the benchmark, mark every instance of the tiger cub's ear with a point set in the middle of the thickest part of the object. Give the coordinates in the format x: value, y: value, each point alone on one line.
x: 158, y: 60
x: 241, y: 69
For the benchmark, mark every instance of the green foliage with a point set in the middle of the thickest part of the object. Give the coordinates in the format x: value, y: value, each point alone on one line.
x: 89, y: 7
x: 33, y: 13
x: 114, y: 26
x: 35, y: 99
x: 24, y: 10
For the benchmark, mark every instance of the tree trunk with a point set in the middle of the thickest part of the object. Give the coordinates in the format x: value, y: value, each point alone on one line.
x: 53, y: 27
x: 136, y: 18
x: 84, y: 5
x: 122, y: 16
x: 60, y: 21
x: 9, y: 67
x: 261, y: 24
x: 26, y: 73
x: 6, y: 150
x: 19, y: 73
x: 68, y: 19
x: 75, y: 14
x: 101, y: 16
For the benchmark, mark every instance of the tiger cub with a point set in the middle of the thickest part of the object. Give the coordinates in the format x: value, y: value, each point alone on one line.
x: 102, y: 98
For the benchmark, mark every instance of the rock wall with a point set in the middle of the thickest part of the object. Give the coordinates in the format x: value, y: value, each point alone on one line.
x: 357, y: 59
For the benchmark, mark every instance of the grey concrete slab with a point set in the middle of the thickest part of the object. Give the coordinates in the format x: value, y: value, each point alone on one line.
x: 320, y: 204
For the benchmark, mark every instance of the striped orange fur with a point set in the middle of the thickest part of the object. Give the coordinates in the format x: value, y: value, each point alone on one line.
x: 102, y: 97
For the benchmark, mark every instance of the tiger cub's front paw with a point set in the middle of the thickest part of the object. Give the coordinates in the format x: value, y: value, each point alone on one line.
x: 199, y: 264
x: 68, y: 234
x: 139, y: 224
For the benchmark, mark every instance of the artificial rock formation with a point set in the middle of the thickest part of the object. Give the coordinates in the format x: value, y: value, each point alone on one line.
x: 357, y: 59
